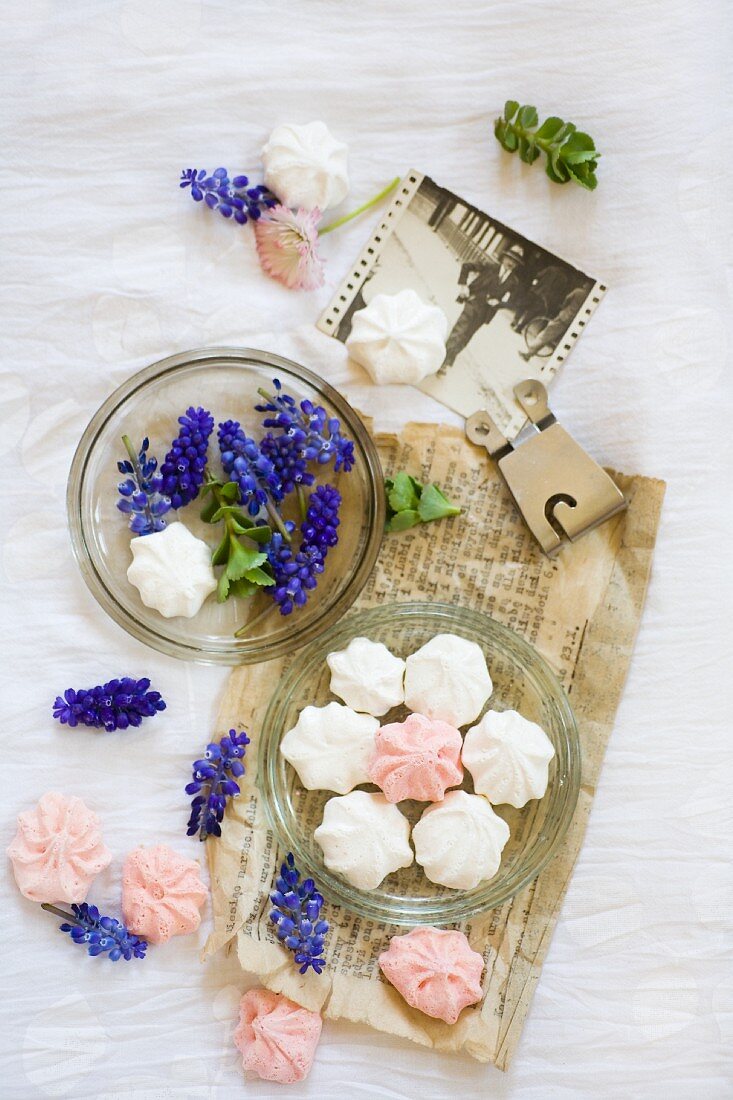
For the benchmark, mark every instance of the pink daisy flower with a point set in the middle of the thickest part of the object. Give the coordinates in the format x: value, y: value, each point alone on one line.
x: 287, y: 246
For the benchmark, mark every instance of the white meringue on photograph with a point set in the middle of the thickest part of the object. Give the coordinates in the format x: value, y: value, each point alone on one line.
x: 364, y: 838
x: 306, y: 166
x: 459, y: 841
x: 172, y: 571
x: 508, y: 757
x: 330, y: 747
x: 367, y: 676
x: 447, y: 679
x: 398, y: 338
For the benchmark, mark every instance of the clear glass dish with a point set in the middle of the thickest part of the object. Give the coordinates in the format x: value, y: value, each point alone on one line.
x: 522, y: 681
x: 224, y: 380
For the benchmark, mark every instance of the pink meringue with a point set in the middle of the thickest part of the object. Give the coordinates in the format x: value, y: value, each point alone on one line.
x: 58, y: 849
x: 162, y: 893
x: 277, y: 1037
x: 436, y: 971
x: 418, y: 758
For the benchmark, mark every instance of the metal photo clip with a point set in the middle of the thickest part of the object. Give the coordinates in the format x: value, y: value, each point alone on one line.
x: 560, y: 490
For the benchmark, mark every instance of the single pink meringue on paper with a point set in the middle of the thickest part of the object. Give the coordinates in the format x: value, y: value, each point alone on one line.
x: 58, y: 850
x: 287, y: 246
x: 436, y: 971
x: 418, y: 758
x: 162, y: 893
x: 276, y: 1036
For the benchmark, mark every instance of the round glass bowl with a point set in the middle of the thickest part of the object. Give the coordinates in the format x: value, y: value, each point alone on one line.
x: 225, y: 381
x: 522, y: 681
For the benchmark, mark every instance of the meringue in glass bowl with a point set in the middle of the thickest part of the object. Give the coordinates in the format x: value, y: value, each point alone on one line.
x: 522, y: 681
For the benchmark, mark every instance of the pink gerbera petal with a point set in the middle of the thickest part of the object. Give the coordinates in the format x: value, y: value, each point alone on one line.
x: 287, y: 246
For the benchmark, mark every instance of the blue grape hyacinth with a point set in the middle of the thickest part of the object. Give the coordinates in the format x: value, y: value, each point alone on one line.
x: 322, y: 518
x: 296, y: 916
x: 214, y: 782
x: 233, y: 198
x: 250, y: 469
x: 115, y: 705
x: 141, y: 491
x: 182, y: 471
x: 312, y: 431
x: 285, y: 452
x: 100, y: 935
x: 296, y: 571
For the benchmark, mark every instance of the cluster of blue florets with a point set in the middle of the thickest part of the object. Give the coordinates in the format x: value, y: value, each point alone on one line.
x: 185, y: 464
x: 296, y: 571
x: 214, y: 782
x: 100, y: 935
x: 297, y: 919
x: 232, y: 198
x: 141, y: 493
x: 315, y: 434
x: 115, y: 705
x: 247, y: 466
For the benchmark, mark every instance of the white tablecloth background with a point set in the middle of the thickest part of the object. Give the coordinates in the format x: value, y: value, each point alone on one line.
x: 108, y: 266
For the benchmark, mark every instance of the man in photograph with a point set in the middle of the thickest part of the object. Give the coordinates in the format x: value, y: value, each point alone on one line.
x: 485, y: 287
x: 549, y: 335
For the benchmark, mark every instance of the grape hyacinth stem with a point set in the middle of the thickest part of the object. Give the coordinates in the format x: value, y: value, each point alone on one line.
x: 277, y: 521
x: 58, y: 912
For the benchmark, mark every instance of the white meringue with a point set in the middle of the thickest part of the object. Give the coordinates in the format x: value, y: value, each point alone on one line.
x: 305, y: 166
x: 459, y: 841
x: 398, y: 338
x: 508, y: 757
x: 364, y: 838
x: 330, y: 747
x: 367, y: 676
x: 448, y: 679
x: 172, y: 571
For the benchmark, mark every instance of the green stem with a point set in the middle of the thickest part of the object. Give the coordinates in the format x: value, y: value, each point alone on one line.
x: 302, y: 503
x: 360, y: 209
x: 131, y: 452
x: 278, y: 521
x: 245, y: 630
x: 58, y: 912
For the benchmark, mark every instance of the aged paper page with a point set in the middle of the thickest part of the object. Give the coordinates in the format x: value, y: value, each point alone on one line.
x: 581, y: 611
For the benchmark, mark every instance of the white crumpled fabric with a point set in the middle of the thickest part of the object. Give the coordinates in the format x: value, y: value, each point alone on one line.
x: 108, y: 266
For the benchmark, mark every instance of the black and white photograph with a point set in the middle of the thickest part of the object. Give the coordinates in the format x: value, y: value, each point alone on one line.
x: 514, y: 310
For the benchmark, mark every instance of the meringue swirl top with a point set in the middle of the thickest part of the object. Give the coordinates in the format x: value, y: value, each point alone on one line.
x: 277, y: 1038
x: 162, y: 893
x: 367, y: 676
x: 398, y: 338
x: 435, y: 970
x: 418, y: 758
x: 508, y: 757
x: 58, y: 850
x: 447, y: 679
x: 306, y: 166
x: 330, y: 747
x: 459, y: 841
x: 364, y: 837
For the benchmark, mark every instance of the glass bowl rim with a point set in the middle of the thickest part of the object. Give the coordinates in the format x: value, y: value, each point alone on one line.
x: 458, y: 906
x: 239, y: 651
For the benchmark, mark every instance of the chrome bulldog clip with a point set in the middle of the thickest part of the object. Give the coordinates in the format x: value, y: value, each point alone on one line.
x: 560, y: 490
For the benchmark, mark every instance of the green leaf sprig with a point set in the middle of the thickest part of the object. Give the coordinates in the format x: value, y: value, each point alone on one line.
x: 409, y: 502
x: 245, y: 567
x: 571, y: 154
